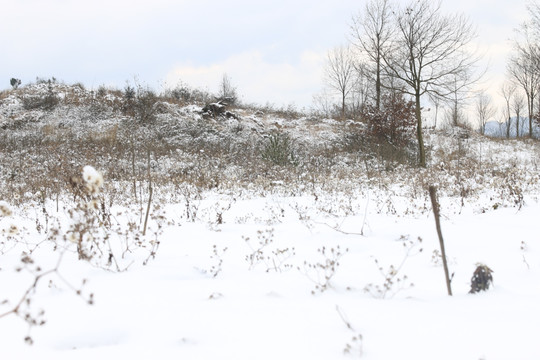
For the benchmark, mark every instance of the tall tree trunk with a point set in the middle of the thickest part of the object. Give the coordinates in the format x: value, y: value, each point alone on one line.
x: 343, y: 106
x: 378, y: 84
x: 509, y: 123
x: 419, y: 134
x: 517, y: 124
x: 531, y: 112
x: 436, y: 113
x: 530, y: 126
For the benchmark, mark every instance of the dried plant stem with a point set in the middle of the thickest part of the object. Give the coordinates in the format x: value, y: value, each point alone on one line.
x: 133, y: 168
x: 15, y: 309
x: 365, y: 215
x: 150, y: 191
x: 343, y: 317
x: 336, y: 228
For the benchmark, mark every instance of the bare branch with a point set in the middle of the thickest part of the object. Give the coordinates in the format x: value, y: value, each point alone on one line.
x: 484, y: 110
x: 371, y: 32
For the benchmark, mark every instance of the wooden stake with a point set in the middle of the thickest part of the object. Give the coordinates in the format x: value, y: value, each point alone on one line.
x: 435, y: 205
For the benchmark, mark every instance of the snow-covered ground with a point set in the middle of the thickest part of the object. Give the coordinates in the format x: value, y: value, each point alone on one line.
x: 334, y: 257
x: 209, y: 294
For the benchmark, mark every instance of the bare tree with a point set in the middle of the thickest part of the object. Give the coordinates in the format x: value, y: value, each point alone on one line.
x: 524, y: 67
x: 322, y: 104
x: 534, y: 12
x: 361, y: 88
x: 454, y: 114
x: 371, y: 31
x: 456, y: 100
x: 507, y: 91
x: 430, y: 54
x: 518, y: 103
x: 436, y: 101
x: 227, y: 92
x: 340, y: 73
x: 484, y: 110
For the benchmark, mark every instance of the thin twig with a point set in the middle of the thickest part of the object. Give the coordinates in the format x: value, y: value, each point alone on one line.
x: 338, y: 229
x: 342, y: 316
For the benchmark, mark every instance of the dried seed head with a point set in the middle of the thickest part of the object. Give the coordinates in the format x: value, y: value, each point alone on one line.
x: 73, y: 237
x: 92, y: 205
x: 93, y: 179
x: 5, y: 209
x: 13, y: 230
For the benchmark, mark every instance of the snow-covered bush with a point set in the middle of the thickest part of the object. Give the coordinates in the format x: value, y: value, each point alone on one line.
x: 98, y: 239
x: 144, y: 106
x: 481, y: 279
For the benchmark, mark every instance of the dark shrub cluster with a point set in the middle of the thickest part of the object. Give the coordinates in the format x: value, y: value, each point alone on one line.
x: 47, y: 101
x: 391, y: 128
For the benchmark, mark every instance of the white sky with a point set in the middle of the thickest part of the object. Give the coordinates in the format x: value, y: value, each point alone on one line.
x: 273, y: 51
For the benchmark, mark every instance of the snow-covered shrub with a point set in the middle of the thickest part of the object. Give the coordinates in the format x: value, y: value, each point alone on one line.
x: 45, y: 100
x: 128, y: 100
x: 481, y: 279
x: 181, y: 93
x: 144, y: 105
x: 391, y: 128
x: 512, y: 188
x: 88, y: 219
x: 97, y: 238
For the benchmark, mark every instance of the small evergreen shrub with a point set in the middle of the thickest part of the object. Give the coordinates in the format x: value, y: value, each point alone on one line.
x: 279, y: 150
x: 15, y: 83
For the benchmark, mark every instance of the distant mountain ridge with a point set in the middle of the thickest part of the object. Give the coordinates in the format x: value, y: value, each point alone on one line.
x: 497, y: 129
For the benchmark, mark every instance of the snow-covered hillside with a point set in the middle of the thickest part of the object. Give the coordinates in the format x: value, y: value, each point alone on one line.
x: 190, y: 240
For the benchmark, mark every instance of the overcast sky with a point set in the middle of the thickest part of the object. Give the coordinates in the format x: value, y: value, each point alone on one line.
x: 273, y: 51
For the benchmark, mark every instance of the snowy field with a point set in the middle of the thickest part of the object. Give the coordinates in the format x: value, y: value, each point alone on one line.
x: 286, y: 278
x: 329, y: 251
